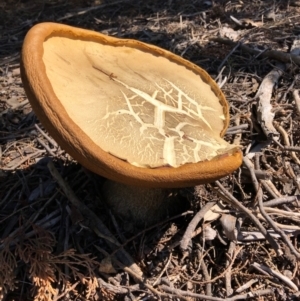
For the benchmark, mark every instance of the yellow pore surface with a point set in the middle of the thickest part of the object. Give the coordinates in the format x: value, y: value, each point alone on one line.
x: 137, y: 106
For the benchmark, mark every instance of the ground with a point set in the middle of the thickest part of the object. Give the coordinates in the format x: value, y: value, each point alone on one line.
x: 247, y: 245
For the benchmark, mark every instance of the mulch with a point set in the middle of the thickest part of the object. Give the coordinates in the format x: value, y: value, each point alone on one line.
x: 240, y: 237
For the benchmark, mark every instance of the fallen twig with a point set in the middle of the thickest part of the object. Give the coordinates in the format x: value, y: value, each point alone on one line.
x: 278, y: 275
x: 228, y: 279
x: 179, y: 293
x: 205, y: 274
x: 89, y: 9
x: 235, y: 47
x: 284, y: 213
x: 282, y: 200
x: 286, y: 140
x: 246, y: 285
x: 52, y: 141
x: 269, y: 187
x: 46, y: 147
x: 245, y: 236
x: 271, y: 54
x: 113, y: 288
x: 163, y: 271
x: 192, y: 226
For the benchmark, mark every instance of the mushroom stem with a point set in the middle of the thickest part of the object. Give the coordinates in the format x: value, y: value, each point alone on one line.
x: 143, y: 206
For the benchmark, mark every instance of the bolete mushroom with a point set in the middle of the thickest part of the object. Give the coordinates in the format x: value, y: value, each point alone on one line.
x: 129, y: 111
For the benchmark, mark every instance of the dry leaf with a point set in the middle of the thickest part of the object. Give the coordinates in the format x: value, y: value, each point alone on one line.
x: 209, y: 233
x: 228, y: 223
x: 212, y: 214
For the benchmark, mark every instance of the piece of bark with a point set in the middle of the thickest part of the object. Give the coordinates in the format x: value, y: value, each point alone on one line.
x: 265, y: 115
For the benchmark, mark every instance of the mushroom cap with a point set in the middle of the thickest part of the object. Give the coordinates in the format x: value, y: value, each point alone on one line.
x: 129, y: 111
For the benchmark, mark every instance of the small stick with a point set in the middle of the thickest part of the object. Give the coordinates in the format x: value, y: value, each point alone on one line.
x: 46, y: 147
x: 291, y: 173
x: 278, y: 275
x: 287, y: 214
x: 178, y: 293
x: 238, y: 127
x: 46, y: 136
x: 236, y: 132
x: 262, y: 174
x: 113, y: 288
x: 246, y: 285
x: 195, y: 273
x: 88, y: 9
x: 271, y: 189
x: 292, y: 148
x: 117, y: 228
x: 282, y: 200
x: 228, y: 279
x: 163, y: 270
x: 248, y: 164
x: 193, y: 224
x: 271, y: 54
x: 286, y: 140
x: 228, y: 55
x: 205, y: 274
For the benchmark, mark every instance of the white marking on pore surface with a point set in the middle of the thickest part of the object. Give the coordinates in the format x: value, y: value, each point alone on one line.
x: 169, y: 151
x: 160, y: 109
x: 168, y: 108
x: 192, y: 101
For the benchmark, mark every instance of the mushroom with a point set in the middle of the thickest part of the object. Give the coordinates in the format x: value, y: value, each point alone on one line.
x: 129, y: 111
